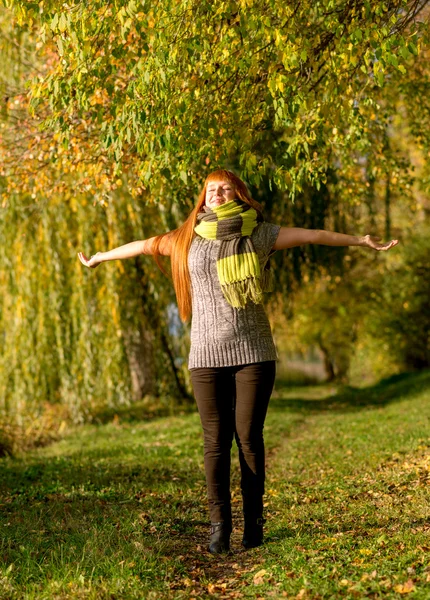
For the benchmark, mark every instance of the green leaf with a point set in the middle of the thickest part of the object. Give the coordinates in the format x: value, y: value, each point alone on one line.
x: 393, y: 59
x: 60, y: 45
x: 54, y: 22
x: 62, y: 24
x: 413, y: 48
x: 404, y: 52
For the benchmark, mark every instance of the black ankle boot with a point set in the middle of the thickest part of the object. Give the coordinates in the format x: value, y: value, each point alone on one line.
x: 253, y: 532
x: 220, y: 538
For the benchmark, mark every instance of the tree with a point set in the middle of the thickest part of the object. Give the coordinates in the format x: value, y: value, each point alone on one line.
x: 83, y: 340
x: 125, y: 106
x: 283, y: 91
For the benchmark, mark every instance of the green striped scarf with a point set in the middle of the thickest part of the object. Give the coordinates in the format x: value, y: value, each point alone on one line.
x: 237, y: 263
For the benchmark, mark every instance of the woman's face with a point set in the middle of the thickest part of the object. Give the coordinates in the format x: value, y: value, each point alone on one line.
x: 218, y: 192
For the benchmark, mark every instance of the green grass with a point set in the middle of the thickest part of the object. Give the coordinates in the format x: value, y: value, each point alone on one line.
x: 118, y: 510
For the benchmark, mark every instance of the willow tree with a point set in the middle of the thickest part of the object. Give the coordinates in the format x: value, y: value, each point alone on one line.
x: 133, y: 102
x: 71, y: 339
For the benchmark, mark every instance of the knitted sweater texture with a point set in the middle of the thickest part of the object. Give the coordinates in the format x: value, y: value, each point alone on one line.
x: 221, y: 335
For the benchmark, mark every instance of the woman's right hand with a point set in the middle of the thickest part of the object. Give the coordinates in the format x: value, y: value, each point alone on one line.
x: 91, y: 262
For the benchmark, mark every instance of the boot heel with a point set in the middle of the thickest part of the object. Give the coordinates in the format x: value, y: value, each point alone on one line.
x: 220, y: 538
x: 253, y: 532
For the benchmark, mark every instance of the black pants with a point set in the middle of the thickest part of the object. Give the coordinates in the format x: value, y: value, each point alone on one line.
x: 233, y: 401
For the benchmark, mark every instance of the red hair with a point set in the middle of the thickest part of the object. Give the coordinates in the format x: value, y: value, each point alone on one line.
x: 181, y: 238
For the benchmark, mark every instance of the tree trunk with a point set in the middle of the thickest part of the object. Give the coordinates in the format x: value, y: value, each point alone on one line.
x: 139, y: 348
x: 152, y: 308
x: 387, y: 208
x: 328, y: 364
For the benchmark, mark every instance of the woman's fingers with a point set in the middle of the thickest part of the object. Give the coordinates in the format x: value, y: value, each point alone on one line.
x: 373, y: 241
x: 91, y: 262
x: 84, y: 260
x: 388, y: 245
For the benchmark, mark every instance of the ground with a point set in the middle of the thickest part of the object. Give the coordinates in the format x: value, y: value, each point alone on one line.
x: 118, y: 511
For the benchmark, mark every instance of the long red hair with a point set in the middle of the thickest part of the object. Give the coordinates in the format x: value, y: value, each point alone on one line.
x: 181, y: 238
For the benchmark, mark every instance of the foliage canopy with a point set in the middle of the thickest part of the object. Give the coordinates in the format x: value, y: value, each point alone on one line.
x: 283, y: 91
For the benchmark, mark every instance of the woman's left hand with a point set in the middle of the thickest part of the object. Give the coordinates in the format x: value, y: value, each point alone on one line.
x: 372, y: 241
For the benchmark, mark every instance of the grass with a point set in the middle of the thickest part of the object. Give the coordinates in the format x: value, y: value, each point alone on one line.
x: 118, y: 510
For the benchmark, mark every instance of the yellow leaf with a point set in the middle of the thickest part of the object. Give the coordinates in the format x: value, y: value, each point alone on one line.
x: 258, y: 577
x: 405, y: 588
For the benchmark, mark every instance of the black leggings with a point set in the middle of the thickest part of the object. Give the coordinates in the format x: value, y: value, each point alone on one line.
x: 234, y: 400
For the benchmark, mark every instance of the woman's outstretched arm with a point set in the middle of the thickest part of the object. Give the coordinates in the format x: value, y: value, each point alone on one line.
x: 297, y: 236
x: 129, y: 250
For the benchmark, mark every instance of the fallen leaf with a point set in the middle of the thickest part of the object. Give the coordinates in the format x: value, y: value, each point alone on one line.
x: 405, y: 588
x: 259, y: 577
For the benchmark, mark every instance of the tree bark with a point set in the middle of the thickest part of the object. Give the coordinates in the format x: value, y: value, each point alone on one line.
x: 387, y: 208
x: 158, y: 326
x: 328, y: 364
x: 139, y: 348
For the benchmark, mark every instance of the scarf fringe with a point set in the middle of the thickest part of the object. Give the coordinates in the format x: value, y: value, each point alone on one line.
x: 240, y: 292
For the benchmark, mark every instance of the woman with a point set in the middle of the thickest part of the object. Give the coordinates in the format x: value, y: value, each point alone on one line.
x: 220, y: 269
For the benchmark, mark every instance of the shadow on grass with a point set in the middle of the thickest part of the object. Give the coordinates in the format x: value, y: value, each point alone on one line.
x: 146, y: 523
x: 347, y: 399
x: 106, y: 513
x: 148, y: 409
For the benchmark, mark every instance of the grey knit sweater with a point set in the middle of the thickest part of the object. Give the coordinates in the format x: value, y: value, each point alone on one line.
x: 222, y: 335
